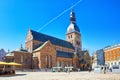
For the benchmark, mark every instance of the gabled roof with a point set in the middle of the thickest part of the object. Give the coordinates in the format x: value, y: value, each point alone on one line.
x: 65, y: 54
x: 42, y: 37
x: 84, y: 52
x: 40, y: 46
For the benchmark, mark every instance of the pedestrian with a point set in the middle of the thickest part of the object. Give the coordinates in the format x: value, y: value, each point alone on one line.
x: 46, y: 69
x: 104, y: 70
x: 39, y: 69
x: 89, y: 69
x: 110, y: 69
x: 79, y: 70
x: 68, y: 70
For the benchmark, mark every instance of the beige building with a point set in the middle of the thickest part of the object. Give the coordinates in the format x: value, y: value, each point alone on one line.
x: 94, y: 60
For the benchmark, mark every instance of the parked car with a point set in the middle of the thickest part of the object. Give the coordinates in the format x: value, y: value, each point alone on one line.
x: 116, y: 68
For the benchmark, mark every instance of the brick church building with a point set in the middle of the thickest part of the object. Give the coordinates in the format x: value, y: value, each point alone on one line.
x: 44, y: 51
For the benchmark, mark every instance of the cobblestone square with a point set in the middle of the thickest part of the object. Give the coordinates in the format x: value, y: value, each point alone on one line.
x: 62, y: 76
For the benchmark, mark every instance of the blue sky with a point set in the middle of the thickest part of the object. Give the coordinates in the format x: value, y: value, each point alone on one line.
x: 98, y: 20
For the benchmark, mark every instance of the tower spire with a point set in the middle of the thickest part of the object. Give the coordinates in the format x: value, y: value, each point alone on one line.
x: 73, y: 30
x: 21, y: 46
x: 72, y: 16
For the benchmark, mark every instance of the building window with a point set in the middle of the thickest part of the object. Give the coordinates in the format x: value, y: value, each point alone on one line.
x: 62, y: 64
x: 26, y: 59
x: 70, y: 64
x: 64, y: 50
x: 110, y: 58
x: 22, y: 58
x: 50, y: 61
x: 68, y: 37
x: 119, y: 52
x: 114, y: 57
x: 110, y: 54
x: 58, y: 49
x: 119, y: 58
x: 46, y: 61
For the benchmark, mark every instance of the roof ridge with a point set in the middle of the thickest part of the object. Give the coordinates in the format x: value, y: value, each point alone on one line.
x: 50, y: 36
x: 44, y: 37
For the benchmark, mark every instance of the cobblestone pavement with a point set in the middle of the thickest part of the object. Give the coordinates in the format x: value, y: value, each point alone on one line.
x: 61, y: 76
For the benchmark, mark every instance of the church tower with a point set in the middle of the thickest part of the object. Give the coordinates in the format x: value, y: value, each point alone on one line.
x: 73, y: 34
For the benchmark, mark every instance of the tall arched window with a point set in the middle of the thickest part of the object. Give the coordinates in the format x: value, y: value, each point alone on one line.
x: 71, y: 36
x: 22, y: 59
x: 62, y: 64
x: 46, y: 61
x: 50, y: 61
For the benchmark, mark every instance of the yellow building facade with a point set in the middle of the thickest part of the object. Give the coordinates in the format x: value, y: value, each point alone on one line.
x: 112, y: 55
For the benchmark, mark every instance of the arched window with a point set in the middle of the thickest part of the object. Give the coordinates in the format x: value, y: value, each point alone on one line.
x: 62, y: 64
x: 71, y: 36
x: 22, y: 58
x: 50, y: 61
x: 26, y: 59
x: 68, y: 37
x: 46, y: 61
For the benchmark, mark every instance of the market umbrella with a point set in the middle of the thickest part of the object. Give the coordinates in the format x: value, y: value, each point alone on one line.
x: 14, y: 64
x: 3, y: 63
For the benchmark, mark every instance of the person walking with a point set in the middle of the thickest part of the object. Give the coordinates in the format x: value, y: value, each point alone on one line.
x: 104, y: 70
x: 68, y: 70
x: 89, y: 69
x: 110, y: 69
x: 78, y: 69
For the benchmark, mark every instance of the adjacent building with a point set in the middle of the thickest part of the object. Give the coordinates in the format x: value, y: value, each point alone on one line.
x: 21, y: 56
x: 98, y: 58
x: 94, y: 60
x: 112, y: 55
x: 85, y: 60
x: 2, y: 54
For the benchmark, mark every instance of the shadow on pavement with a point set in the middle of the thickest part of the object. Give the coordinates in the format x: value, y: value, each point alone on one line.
x: 12, y: 75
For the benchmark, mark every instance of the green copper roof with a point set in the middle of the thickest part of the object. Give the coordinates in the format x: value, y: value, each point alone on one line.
x: 10, y: 54
x: 21, y: 49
